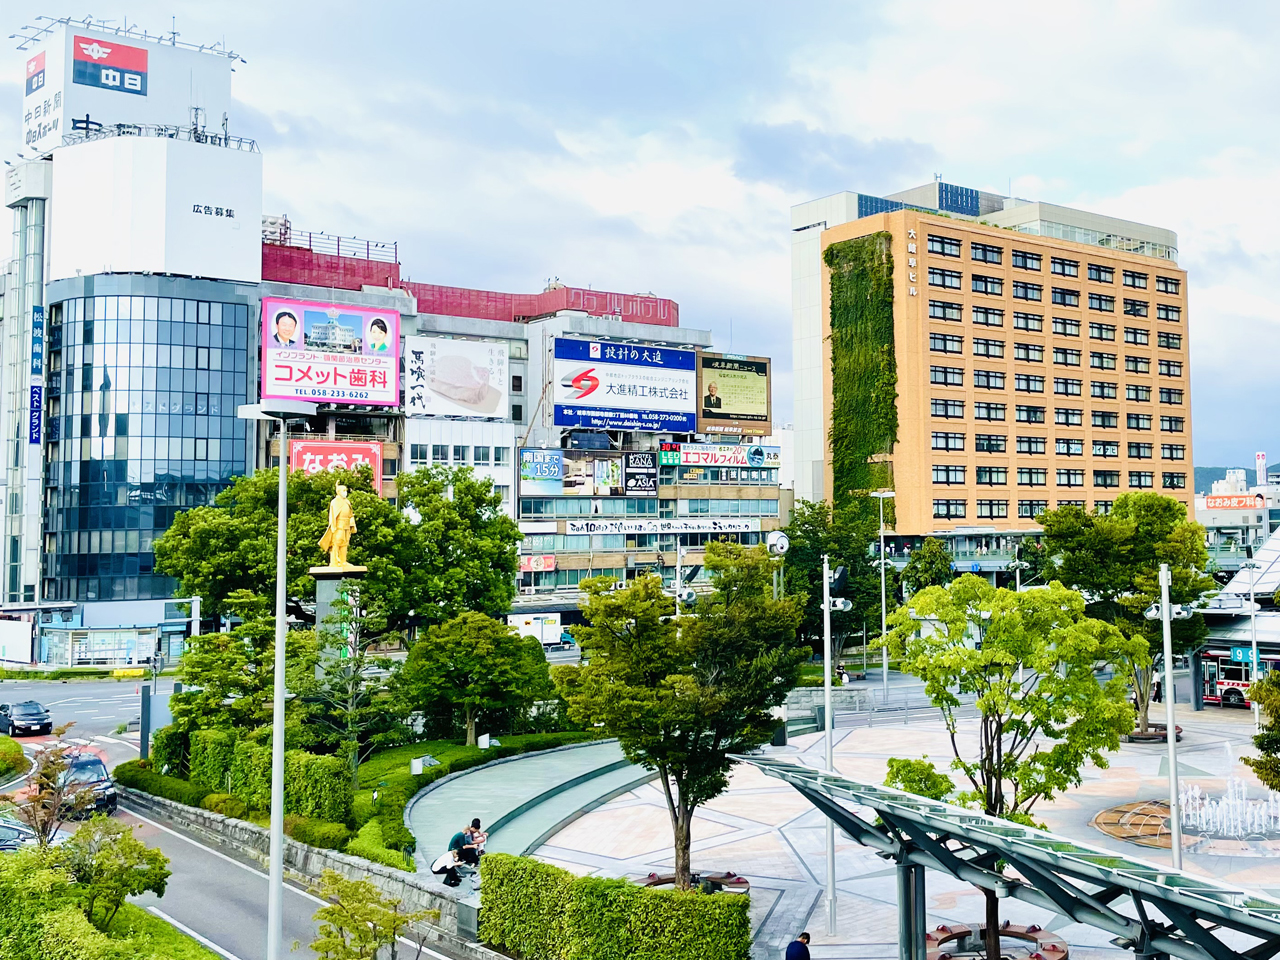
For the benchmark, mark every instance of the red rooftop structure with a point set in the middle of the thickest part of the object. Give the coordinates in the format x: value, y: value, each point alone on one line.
x: 324, y: 260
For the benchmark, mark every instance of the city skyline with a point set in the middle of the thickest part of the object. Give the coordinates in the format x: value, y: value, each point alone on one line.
x: 673, y: 169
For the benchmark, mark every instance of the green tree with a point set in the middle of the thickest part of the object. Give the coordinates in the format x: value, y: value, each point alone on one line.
x: 109, y: 864
x: 465, y: 545
x: 474, y: 664
x: 51, y: 797
x: 450, y: 548
x: 1266, y: 694
x: 930, y: 566
x: 682, y: 694
x: 343, y: 686
x: 1114, y: 559
x: 230, y: 676
x: 1028, y: 659
x: 920, y: 777
x: 357, y: 921
x: 845, y: 535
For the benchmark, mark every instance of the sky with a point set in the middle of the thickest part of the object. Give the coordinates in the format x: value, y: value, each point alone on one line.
x: 658, y: 147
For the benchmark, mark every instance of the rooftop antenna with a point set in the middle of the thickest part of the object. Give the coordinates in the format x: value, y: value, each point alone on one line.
x: 937, y: 178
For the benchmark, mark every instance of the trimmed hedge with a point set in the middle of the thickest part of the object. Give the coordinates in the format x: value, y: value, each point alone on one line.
x: 225, y: 804
x: 169, y: 749
x: 314, y: 786
x: 540, y: 912
x: 368, y: 843
x: 212, y: 752
x: 12, y: 759
x: 138, y: 775
x: 317, y: 833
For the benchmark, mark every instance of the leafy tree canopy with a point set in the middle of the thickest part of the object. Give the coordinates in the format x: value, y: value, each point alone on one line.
x: 681, y: 694
x: 929, y: 566
x: 1114, y: 560
x: 844, y: 534
x: 110, y: 864
x: 451, y: 548
x: 475, y: 664
x: 230, y: 676
x: 1028, y: 659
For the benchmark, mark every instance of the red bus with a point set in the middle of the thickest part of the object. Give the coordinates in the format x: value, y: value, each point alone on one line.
x: 1226, y: 682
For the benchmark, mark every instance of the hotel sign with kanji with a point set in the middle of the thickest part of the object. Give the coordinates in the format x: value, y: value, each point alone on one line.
x: 330, y: 353
x: 312, y: 456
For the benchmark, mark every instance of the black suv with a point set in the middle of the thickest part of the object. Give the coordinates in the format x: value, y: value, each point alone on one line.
x: 25, y: 718
x: 88, y: 772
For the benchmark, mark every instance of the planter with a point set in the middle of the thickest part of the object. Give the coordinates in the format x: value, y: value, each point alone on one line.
x: 1155, y: 734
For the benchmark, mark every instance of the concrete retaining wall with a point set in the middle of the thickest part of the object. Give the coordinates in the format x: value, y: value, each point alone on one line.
x: 416, y: 892
x: 803, y: 699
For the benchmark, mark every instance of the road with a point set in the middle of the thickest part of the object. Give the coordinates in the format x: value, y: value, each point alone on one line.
x: 96, y: 706
x: 216, y: 897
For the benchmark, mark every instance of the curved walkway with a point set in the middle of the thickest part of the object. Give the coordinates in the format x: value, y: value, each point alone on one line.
x: 521, y: 800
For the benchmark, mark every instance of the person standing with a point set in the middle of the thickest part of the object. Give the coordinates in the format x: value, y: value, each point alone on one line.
x: 798, y: 949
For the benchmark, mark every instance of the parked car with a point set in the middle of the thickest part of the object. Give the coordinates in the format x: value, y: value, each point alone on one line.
x: 27, y: 717
x: 14, y: 835
x: 88, y: 771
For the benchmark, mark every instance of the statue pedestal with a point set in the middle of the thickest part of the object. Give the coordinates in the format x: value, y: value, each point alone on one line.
x: 328, y: 581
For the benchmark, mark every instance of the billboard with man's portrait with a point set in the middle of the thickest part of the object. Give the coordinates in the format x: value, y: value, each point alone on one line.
x: 330, y: 353
x: 733, y: 395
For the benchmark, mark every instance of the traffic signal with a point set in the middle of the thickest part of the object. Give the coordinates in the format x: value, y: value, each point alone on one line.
x: 839, y: 579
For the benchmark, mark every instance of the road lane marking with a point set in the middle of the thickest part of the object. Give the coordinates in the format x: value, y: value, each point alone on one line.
x: 79, y: 741
x: 103, y: 739
x: 243, y: 866
x: 203, y: 941
x: 221, y: 856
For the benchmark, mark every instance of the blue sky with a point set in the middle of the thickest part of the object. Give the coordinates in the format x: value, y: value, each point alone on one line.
x: 658, y: 147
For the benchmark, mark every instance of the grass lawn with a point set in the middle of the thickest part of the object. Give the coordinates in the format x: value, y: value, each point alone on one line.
x: 389, y: 769
x: 160, y: 938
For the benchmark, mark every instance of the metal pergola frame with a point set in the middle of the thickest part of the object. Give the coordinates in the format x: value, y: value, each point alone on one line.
x: 1177, y: 914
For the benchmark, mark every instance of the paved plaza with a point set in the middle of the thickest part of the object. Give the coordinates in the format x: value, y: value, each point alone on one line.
x: 764, y: 830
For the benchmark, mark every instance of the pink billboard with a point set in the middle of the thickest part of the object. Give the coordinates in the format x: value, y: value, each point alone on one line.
x: 330, y: 353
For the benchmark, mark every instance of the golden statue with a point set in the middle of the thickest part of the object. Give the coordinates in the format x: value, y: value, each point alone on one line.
x: 337, y: 536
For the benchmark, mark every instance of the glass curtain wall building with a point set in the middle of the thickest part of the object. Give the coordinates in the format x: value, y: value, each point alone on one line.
x: 144, y: 375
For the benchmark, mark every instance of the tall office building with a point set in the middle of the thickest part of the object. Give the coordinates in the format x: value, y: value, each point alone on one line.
x: 991, y: 357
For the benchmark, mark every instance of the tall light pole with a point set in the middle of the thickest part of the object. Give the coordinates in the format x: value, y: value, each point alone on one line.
x: 1253, y: 567
x: 883, y: 495
x: 281, y: 411
x: 1165, y: 613
x: 1017, y: 566
x: 829, y: 722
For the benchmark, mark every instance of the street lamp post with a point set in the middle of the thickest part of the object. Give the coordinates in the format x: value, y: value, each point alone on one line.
x: 1252, y: 567
x: 281, y: 411
x: 1165, y: 613
x: 883, y: 495
x: 829, y: 604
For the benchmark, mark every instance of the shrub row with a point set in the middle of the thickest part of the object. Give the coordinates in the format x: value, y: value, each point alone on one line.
x: 169, y: 751
x: 370, y: 844
x: 317, y: 833
x: 139, y: 775
x: 211, y: 754
x: 314, y: 786
x: 12, y: 759
x: 539, y: 912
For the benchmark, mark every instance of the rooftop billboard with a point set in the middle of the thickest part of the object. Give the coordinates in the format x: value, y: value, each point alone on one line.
x: 330, y: 353
x: 734, y: 395
x: 103, y: 78
x: 459, y: 378
x: 624, y: 386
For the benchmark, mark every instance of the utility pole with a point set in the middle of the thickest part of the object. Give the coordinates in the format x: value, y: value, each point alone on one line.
x: 829, y: 721
x: 1170, y: 728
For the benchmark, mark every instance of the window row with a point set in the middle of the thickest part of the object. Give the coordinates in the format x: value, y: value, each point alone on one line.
x: 1063, y: 446
x: 1063, y: 416
x: 478, y: 456
x: 1063, y: 477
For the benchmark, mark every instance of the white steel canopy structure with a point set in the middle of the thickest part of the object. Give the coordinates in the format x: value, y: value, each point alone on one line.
x: 1173, y: 913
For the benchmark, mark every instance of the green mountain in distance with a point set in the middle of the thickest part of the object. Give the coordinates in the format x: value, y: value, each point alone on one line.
x: 1206, y: 475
